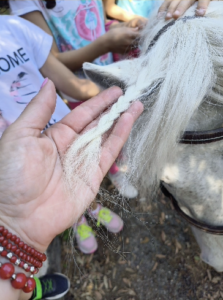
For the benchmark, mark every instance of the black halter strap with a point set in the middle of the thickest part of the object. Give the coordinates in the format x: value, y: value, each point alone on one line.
x: 212, y: 229
x: 202, y: 137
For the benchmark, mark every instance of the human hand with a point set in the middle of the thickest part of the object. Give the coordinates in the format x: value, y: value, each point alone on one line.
x: 119, y: 39
x: 138, y: 22
x: 34, y: 203
x: 176, y: 8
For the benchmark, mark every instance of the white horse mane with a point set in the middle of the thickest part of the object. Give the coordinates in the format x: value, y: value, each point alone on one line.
x: 180, y: 66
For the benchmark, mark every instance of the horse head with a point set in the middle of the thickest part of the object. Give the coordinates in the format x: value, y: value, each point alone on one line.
x: 179, y: 78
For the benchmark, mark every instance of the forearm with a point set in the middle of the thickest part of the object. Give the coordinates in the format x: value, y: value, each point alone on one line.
x: 67, y: 82
x: 116, y: 12
x: 74, y: 59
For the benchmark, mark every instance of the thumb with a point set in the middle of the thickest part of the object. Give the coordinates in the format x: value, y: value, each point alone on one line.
x: 40, y: 109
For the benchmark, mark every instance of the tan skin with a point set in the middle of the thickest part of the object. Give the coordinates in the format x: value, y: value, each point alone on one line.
x: 118, y: 13
x: 118, y: 39
x: 171, y: 9
x: 34, y: 203
x: 176, y: 8
x: 66, y: 81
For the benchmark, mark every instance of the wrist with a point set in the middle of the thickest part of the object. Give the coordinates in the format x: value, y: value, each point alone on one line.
x: 18, y: 262
x: 13, y: 226
x: 107, y: 41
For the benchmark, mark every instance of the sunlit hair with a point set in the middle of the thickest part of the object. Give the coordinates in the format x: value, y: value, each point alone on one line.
x: 50, y: 4
x: 4, y: 5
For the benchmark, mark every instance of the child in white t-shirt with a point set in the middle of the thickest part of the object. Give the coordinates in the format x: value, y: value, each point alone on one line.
x: 25, y: 60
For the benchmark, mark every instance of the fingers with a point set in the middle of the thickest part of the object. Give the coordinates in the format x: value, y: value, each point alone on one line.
x: 176, y: 8
x: 87, y: 112
x: 39, y: 111
x: 169, y: 8
x: 202, y: 7
x: 182, y: 8
x: 118, y: 136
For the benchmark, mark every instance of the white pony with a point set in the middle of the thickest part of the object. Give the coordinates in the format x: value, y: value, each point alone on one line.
x: 179, y: 78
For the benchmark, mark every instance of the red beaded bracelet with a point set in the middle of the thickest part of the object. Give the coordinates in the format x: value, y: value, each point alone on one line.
x: 9, y: 245
x: 19, y: 281
x: 18, y: 244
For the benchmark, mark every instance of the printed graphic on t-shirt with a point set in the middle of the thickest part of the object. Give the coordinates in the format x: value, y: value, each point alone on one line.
x: 24, y: 49
x: 87, y: 21
x: 14, y: 59
x: 21, y: 89
x: 76, y: 28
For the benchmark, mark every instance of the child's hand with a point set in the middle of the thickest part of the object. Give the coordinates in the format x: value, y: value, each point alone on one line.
x: 137, y: 22
x: 176, y: 8
x: 120, y: 39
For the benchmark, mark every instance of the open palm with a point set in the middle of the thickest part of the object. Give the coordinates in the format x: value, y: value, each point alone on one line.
x: 34, y: 203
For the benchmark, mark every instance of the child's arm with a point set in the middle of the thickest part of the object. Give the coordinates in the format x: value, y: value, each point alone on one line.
x: 67, y: 82
x: 116, y: 40
x: 176, y: 8
x: 116, y: 12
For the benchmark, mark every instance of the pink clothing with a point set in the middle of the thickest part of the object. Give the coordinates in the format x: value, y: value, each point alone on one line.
x: 114, y: 169
x: 73, y: 105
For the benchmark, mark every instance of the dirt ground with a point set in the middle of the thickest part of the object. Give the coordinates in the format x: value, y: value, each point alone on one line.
x: 155, y: 257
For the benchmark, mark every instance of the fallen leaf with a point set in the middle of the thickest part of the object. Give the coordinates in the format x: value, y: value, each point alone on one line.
x: 114, y: 273
x: 107, y: 260
x: 216, y: 295
x: 90, y: 258
x: 105, y: 282
x: 127, y: 241
x: 216, y: 279
x: 114, y: 289
x: 84, y: 286
x: 155, y: 267
x: 84, y: 295
x: 110, y: 187
x: 130, y: 270
x: 98, y: 295
x: 178, y: 246
x: 145, y: 240
x: 122, y: 262
x: 163, y: 236
x: 90, y: 287
x: 131, y: 292
x: 160, y: 256
x: 79, y: 260
x: 127, y: 281
x: 209, y: 275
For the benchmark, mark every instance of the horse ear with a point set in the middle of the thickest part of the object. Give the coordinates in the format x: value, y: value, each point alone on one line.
x: 117, y: 74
